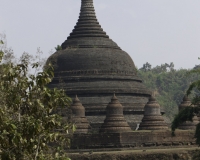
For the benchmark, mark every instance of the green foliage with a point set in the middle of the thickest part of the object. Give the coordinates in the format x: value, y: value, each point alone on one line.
x: 28, y: 119
x: 170, y: 85
x: 58, y: 48
x: 184, y: 115
x: 188, y: 113
x: 1, y: 52
x: 196, y: 155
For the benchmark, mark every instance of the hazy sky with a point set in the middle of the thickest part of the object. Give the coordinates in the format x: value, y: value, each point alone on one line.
x: 154, y: 31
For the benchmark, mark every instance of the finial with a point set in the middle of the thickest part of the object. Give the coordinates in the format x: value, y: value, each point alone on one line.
x: 114, y: 96
x: 153, y: 94
x: 87, y: 25
x: 76, y: 99
x: 152, y: 98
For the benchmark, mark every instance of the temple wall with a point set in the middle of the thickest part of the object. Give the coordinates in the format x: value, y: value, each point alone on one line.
x: 133, y: 139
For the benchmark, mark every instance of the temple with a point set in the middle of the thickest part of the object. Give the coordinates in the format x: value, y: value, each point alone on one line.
x: 92, y: 66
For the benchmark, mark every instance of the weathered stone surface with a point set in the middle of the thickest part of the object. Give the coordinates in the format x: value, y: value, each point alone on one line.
x: 187, y: 125
x: 115, y: 121
x: 81, y: 122
x: 91, y: 65
x: 152, y: 119
x: 185, y: 103
x: 133, y: 139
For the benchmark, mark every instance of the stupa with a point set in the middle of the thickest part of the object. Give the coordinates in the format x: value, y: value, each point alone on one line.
x: 78, y: 117
x: 185, y: 103
x: 91, y: 65
x: 115, y: 121
x: 152, y: 119
x: 188, y: 125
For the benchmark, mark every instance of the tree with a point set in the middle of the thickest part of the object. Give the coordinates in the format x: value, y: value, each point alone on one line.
x: 188, y: 113
x: 146, y: 67
x: 58, y: 48
x: 29, y: 126
x: 169, y: 85
x: 8, y: 52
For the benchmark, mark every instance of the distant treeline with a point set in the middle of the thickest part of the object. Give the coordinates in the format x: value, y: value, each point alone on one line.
x: 168, y: 84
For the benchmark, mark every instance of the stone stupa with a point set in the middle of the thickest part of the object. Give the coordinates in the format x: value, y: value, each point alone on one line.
x: 187, y: 125
x: 153, y: 120
x: 185, y: 103
x: 78, y: 117
x: 115, y: 121
x: 93, y: 66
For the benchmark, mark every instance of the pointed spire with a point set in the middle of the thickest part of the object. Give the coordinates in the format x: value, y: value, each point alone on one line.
x: 77, y: 108
x: 87, y: 25
x: 185, y: 103
x: 81, y: 122
x: 76, y: 101
x: 88, y: 32
x: 152, y: 99
x: 114, y: 97
x: 153, y: 94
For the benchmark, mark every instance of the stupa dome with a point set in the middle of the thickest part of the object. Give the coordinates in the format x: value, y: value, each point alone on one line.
x: 91, y: 65
x: 115, y: 121
x: 153, y: 119
x: 89, y: 51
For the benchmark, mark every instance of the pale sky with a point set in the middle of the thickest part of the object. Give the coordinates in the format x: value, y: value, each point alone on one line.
x: 154, y: 31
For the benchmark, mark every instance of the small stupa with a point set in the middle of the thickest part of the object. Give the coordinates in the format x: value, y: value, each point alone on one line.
x: 185, y: 103
x: 115, y: 121
x: 81, y: 122
x: 188, y: 125
x: 152, y: 119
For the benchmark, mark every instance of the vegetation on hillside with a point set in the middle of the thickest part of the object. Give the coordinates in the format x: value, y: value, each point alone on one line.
x: 28, y: 121
x: 189, y: 112
x: 170, y: 85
